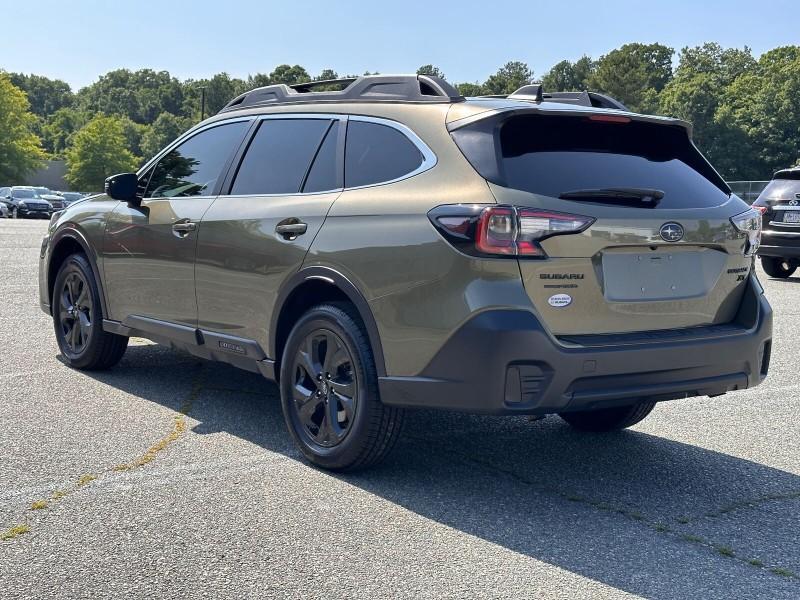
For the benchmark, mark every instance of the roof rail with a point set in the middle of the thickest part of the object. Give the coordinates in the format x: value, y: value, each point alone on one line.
x: 534, y: 92
x: 368, y: 88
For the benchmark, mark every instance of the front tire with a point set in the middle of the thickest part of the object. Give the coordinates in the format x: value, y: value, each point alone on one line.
x: 78, y: 318
x: 608, y: 419
x: 329, y: 392
x: 777, y: 267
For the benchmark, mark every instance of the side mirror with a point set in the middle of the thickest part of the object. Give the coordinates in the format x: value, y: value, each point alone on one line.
x: 122, y: 187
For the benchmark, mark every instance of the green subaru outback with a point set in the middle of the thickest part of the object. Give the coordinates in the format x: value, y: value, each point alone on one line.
x: 390, y: 244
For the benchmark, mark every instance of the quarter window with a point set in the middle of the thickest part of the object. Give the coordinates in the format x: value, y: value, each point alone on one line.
x: 279, y: 156
x: 192, y: 169
x: 377, y: 153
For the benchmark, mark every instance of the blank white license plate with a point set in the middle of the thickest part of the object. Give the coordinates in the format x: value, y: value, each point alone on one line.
x: 791, y: 216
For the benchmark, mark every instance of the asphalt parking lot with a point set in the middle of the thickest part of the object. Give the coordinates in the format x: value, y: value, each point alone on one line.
x: 171, y: 477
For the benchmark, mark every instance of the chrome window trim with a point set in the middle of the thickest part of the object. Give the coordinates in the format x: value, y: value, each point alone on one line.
x: 187, y: 135
x: 429, y: 158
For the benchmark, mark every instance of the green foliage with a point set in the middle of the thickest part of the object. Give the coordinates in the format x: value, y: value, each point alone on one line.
x: 695, y: 94
x: 509, y: 78
x: 139, y: 95
x: 98, y: 150
x: 20, y: 148
x: 46, y: 96
x: 59, y: 127
x: 430, y: 70
x: 166, y: 128
x: 327, y: 74
x: 470, y: 89
x: 567, y: 76
x: 220, y: 89
x: 289, y: 75
x: 634, y: 74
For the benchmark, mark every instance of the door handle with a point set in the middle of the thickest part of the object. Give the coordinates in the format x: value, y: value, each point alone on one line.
x: 183, y: 227
x: 291, y: 228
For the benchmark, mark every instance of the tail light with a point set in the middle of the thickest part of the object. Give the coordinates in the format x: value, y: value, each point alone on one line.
x: 749, y: 222
x: 481, y: 230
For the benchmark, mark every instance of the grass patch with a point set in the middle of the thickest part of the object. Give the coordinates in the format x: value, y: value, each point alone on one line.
x: 725, y: 551
x: 781, y: 571
x: 86, y: 479
x: 660, y: 527
x: 39, y: 505
x: 755, y: 562
x: 692, y: 538
x: 10, y: 534
x: 683, y: 520
x: 58, y: 495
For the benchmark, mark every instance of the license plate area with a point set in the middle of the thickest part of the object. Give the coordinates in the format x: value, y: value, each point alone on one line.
x: 661, y: 274
x: 791, y: 216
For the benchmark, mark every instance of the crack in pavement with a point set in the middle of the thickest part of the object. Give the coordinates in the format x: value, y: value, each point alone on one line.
x: 657, y: 526
x: 178, y: 429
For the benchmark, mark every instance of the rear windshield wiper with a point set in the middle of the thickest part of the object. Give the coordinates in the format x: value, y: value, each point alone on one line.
x: 629, y: 196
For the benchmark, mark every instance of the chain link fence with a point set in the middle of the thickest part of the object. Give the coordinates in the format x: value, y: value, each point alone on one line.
x: 748, y: 190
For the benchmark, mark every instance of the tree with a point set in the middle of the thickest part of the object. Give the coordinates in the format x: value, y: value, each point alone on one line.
x: 289, y: 75
x: 20, y: 148
x: 430, y: 70
x: 759, y: 113
x: 46, y: 96
x: 220, y: 89
x: 695, y: 93
x: 634, y: 74
x: 139, y: 95
x: 59, y: 128
x: 509, y: 78
x: 326, y: 74
x: 164, y: 129
x: 470, y: 89
x: 567, y: 76
x: 98, y: 150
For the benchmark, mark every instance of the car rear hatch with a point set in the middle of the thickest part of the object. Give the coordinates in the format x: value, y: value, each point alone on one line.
x: 628, y: 227
x: 780, y: 204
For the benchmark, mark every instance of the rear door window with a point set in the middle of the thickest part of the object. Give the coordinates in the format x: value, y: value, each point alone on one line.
x: 377, y: 153
x: 553, y: 155
x: 279, y: 158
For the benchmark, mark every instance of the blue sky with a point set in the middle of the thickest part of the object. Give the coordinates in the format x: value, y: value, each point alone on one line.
x: 81, y: 39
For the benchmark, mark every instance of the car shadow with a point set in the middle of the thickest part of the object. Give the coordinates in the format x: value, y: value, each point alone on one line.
x: 644, y: 514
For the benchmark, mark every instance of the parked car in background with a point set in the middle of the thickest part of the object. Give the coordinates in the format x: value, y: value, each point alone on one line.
x: 779, y: 204
x: 23, y: 201
x: 56, y: 201
x: 70, y: 197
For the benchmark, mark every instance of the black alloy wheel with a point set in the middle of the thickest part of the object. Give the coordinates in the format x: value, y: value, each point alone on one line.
x: 76, y: 311
x: 324, y: 388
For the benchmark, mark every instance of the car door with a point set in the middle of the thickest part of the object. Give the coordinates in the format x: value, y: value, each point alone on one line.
x: 257, y: 233
x: 149, y: 248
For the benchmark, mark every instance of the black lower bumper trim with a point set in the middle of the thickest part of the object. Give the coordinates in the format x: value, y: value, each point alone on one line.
x: 505, y: 362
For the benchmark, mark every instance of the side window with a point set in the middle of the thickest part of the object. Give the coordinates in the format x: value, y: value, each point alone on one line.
x: 279, y: 156
x: 376, y: 153
x: 324, y: 173
x: 192, y: 169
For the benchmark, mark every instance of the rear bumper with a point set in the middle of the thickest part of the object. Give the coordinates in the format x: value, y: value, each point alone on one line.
x: 779, y: 244
x: 505, y: 362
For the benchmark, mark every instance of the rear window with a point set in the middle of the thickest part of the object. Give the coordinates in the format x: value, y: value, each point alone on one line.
x: 554, y: 155
x: 781, y: 189
x: 377, y: 153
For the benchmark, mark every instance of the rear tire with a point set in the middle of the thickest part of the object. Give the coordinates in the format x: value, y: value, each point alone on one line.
x: 777, y: 267
x: 329, y: 392
x: 608, y: 419
x: 78, y: 319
